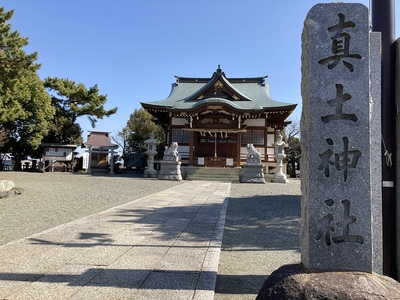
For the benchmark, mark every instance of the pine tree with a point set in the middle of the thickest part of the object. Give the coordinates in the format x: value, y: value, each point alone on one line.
x: 25, y: 106
x: 73, y: 100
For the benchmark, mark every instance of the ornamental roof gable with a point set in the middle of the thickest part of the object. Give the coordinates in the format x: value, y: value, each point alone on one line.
x: 218, y: 87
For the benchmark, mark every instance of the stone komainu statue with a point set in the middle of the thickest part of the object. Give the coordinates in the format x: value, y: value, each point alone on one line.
x: 252, y: 152
x: 171, y: 150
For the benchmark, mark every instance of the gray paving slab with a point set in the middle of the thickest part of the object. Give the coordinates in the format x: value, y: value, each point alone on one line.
x: 261, y: 234
x: 162, y: 246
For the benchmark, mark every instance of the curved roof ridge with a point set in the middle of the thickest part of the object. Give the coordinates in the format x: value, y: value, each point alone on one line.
x: 259, y: 79
x: 216, y: 100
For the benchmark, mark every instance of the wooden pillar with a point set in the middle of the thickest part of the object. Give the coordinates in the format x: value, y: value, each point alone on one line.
x: 238, y: 147
x: 192, y: 149
x: 266, y: 142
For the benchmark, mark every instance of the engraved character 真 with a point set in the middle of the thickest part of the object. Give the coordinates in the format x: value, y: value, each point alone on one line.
x: 340, y: 45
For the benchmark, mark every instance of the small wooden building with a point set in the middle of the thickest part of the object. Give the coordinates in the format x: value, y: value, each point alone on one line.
x: 57, y: 156
x: 213, y: 119
x: 99, y: 147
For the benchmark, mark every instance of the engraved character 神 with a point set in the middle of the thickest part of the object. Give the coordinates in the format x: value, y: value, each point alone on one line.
x: 343, y: 160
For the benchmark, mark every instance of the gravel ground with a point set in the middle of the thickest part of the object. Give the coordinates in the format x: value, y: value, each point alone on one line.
x: 51, y: 199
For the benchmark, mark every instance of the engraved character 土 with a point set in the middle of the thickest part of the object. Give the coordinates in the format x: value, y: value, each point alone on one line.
x: 337, y: 103
x: 340, y: 45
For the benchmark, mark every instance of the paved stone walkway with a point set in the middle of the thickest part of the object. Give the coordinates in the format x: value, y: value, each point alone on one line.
x: 162, y: 246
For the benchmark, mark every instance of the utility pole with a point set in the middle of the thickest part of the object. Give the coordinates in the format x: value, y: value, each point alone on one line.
x: 383, y: 21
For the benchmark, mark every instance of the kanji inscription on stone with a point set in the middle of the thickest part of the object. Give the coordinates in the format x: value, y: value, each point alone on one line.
x: 338, y: 185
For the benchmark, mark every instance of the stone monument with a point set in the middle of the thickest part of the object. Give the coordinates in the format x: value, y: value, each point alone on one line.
x: 341, y: 222
x: 170, y: 166
x: 152, y: 144
x: 279, y: 145
x: 252, y: 171
x: 339, y: 152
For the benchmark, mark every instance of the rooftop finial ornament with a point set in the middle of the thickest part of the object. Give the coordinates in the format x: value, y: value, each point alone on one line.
x: 219, y: 71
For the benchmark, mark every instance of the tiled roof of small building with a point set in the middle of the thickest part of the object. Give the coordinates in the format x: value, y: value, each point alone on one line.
x: 99, y: 139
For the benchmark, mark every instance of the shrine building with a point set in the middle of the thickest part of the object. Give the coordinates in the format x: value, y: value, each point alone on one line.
x: 99, y: 147
x: 214, y: 119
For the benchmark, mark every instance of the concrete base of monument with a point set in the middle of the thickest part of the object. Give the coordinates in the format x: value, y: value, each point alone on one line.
x: 280, y: 178
x: 150, y: 174
x: 294, y: 282
x: 170, y: 170
x: 252, y: 173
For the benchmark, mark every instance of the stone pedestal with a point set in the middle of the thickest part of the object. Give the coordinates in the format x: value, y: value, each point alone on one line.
x: 253, y: 171
x: 150, y: 173
x: 170, y: 168
x: 294, y: 282
x: 279, y: 176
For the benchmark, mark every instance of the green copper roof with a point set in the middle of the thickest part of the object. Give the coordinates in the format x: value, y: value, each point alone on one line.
x: 243, y: 94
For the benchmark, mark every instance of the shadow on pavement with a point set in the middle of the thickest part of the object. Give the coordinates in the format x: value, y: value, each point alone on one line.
x: 262, y: 223
x: 239, y: 284
x: 145, y: 279
x: 194, y: 223
x: 170, y: 228
x: 255, y: 225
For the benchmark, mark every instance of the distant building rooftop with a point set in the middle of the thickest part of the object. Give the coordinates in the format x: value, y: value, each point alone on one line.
x: 99, y: 139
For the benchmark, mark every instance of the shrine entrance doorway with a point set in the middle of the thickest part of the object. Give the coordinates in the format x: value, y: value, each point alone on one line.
x: 216, y: 149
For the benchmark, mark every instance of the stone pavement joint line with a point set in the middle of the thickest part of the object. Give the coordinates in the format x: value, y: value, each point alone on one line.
x: 162, y: 246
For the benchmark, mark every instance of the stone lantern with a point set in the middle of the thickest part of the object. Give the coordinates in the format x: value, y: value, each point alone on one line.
x: 279, y: 145
x: 151, y: 143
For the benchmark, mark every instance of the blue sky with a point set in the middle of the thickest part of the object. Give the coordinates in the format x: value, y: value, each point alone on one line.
x: 133, y: 49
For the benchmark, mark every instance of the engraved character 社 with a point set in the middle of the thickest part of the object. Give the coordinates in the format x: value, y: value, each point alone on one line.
x: 326, y: 226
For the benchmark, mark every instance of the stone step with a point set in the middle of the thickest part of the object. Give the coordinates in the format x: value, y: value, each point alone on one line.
x: 213, y: 174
